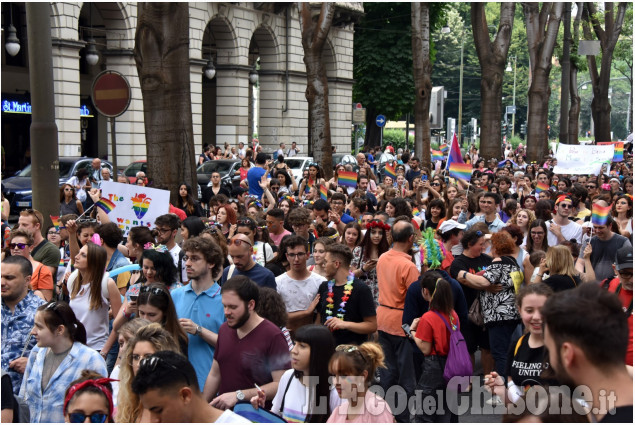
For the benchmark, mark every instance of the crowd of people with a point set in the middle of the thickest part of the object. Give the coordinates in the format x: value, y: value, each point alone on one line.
x: 319, y: 300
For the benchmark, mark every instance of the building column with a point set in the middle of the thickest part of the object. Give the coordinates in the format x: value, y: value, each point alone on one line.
x: 196, y: 94
x: 232, y: 105
x: 67, y: 97
x: 270, y: 131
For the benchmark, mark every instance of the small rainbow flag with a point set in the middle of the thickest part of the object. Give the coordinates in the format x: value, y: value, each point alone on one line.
x: 541, y: 187
x: 618, y: 153
x: 324, y: 194
x: 461, y: 171
x: 347, y: 178
x: 390, y: 171
x: 415, y: 212
x: 437, y: 155
x: 106, y: 205
x: 308, y: 185
x: 56, y: 222
x: 444, y: 148
x: 600, y: 215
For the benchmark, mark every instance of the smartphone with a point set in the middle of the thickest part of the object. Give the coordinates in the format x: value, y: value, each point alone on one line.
x: 424, y: 177
x: 134, y: 298
x: 446, y: 179
x: 406, y: 329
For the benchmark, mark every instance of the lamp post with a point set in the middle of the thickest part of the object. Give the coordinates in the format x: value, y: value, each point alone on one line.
x: 12, y: 44
x: 508, y: 69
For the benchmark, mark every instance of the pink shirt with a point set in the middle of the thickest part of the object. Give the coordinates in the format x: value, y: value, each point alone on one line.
x: 376, y: 410
x: 277, y: 238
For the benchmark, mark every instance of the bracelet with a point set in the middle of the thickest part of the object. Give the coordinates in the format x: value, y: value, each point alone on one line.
x: 126, y: 315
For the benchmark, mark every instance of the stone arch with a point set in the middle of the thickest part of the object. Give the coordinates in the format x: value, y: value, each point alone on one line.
x: 329, y: 59
x: 266, y: 42
x: 219, y: 38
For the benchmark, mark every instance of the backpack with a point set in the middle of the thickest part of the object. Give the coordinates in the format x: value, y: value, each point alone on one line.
x: 458, y: 363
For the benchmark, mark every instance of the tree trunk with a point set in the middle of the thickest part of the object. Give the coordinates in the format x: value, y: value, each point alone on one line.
x: 608, y: 36
x: 373, y: 133
x: 492, y: 56
x: 574, y: 110
x: 422, y: 70
x: 314, y: 33
x: 565, y: 65
x: 161, y: 54
x: 542, y: 31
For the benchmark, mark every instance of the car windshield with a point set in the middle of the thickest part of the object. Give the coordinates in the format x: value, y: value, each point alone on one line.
x: 294, y: 163
x: 210, y: 166
x: 65, y: 170
x: 385, y: 157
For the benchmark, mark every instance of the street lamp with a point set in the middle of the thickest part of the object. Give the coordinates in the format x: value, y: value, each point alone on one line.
x: 253, y: 75
x: 12, y: 44
x: 210, y: 70
x: 92, y: 55
x: 509, y: 69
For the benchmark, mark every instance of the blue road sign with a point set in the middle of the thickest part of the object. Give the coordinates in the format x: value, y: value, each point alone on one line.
x: 380, y: 120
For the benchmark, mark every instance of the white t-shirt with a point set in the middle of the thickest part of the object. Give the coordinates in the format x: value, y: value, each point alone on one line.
x: 298, y: 294
x: 95, y: 321
x: 229, y: 417
x: 260, y: 249
x: 571, y: 231
x: 174, y: 252
x: 296, y: 400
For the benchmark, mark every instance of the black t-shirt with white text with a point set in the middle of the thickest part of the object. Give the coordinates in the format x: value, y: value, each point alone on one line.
x: 471, y: 265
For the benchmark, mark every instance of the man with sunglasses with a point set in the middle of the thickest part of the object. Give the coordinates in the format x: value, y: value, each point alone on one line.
x: 19, y: 305
x: 241, y: 250
x: 166, y: 385
x: 167, y: 226
x: 43, y: 251
x: 561, y: 228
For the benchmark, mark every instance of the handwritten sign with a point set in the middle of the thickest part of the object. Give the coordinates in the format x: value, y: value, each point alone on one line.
x: 579, y: 159
x: 135, y: 205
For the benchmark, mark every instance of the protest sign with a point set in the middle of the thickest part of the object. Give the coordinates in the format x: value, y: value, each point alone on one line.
x: 579, y: 159
x: 618, y: 155
x: 132, y: 205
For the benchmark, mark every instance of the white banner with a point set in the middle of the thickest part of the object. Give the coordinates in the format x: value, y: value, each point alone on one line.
x: 579, y: 159
x: 135, y: 205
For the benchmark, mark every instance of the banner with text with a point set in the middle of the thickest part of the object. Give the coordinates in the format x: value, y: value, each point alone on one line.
x: 135, y: 205
x: 581, y: 159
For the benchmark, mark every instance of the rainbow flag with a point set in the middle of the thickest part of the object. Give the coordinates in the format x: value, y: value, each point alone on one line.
x: 347, y: 178
x: 600, y: 215
x: 437, y: 155
x: 56, y: 222
x: 455, y: 156
x: 541, y: 187
x: 308, y: 185
x: 618, y: 154
x: 324, y: 194
x: 390, y: 171
x: 461, y: 171
x: 415, y: 212
x: 444, y: 148
x: 106, y: 205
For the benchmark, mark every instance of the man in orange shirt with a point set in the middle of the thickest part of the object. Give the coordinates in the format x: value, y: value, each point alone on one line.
x: 395, y: 272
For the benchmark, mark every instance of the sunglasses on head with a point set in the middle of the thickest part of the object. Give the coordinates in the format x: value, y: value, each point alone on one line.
x: 95, y: 418
x: 150, y: 364
x: 237, y: 242
x: 153, y: 291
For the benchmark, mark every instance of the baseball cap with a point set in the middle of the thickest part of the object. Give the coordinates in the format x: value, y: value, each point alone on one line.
x: 448, y: 225
x: 624, y: 258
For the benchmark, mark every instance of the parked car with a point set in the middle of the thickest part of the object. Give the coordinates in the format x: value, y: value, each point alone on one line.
x: 131, y: 170
x: 381, y: 163
x: 18, y: 189
x: 343, y: 158
x: 298, y: 164
x: 226, y: 168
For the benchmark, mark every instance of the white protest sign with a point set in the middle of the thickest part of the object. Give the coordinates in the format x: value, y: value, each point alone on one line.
x: 134, y: 205
x: 579, y: 159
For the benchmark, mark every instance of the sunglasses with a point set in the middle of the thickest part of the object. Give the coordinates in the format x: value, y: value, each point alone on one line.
x: 590, y: 186
x: 350, y: 349
x: 237, y: 242
x: 245, y: 223
x: 34, y: 214
x: 153, y: 291
x: 18, y: 245
x: 95, y: 418
x: 150, y: 364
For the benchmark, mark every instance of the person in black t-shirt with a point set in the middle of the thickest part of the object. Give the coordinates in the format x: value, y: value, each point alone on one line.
x: 526, y: 355
x: 10, y: 407
x: 346, y: 304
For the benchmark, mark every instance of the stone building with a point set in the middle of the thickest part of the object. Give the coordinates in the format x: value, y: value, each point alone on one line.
x: 236, y: 37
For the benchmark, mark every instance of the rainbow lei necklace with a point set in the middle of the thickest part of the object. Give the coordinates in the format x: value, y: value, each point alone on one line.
x: 348, y: 288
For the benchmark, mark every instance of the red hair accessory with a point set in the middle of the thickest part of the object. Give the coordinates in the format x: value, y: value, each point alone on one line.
x: 97, y: 383
x: 377, y: 223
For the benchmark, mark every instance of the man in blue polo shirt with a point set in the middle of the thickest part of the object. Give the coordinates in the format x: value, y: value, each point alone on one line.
x: 255, y: 174
x: 198, y: 304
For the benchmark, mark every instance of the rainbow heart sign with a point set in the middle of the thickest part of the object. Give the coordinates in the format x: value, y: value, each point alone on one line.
x: 130, y: 205
x: 140, y: 204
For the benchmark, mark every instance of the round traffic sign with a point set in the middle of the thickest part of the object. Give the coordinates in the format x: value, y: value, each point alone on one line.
x: 358, y: 106
x: 111, y: 93
x: 380, y: 120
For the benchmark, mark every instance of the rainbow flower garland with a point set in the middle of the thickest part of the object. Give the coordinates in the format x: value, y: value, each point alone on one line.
x: 348, y: 289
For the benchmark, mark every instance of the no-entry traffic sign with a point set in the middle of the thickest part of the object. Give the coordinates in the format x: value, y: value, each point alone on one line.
x: 111, y: 93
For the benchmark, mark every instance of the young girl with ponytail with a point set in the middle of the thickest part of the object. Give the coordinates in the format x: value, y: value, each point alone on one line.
x: 56, y: 361
x: 433, y: 339
x: 353, y: 368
